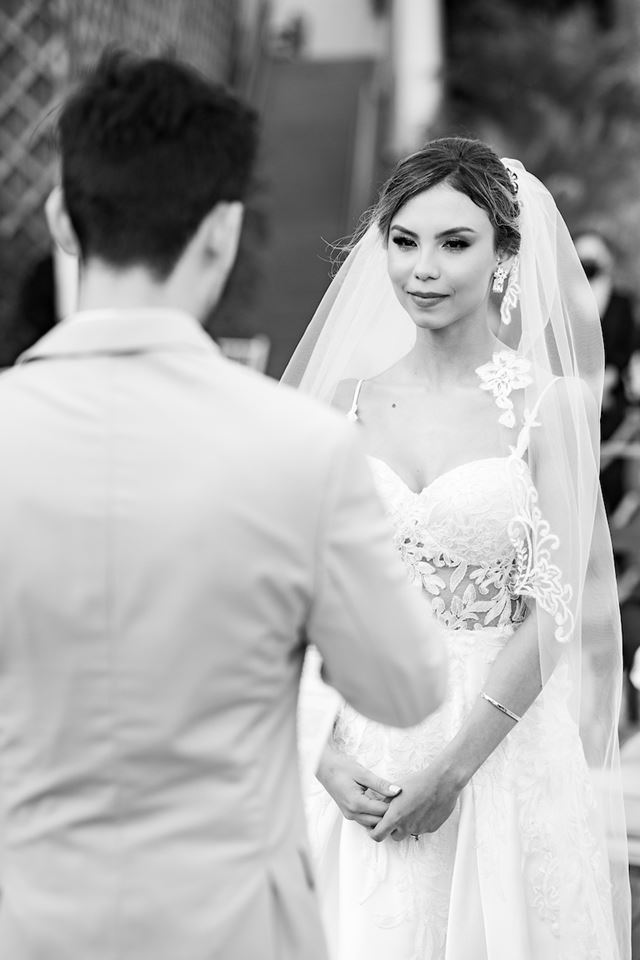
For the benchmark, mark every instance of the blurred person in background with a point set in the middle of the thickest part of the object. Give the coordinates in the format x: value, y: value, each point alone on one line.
x: 619, y: 334
x: 174, y: 527
x: 484, y: 451
x: 290, y: 40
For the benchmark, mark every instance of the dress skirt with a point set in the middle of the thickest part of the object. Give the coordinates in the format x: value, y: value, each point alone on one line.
x: 519, y: 871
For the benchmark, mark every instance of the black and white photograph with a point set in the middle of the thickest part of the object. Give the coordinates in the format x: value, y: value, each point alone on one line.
x: 319, y: 480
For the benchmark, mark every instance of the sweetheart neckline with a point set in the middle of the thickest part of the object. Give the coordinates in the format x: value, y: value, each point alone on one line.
x: 447, y: 473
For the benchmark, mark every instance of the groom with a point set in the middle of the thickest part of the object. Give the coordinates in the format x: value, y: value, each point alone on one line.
x: 172, y: 529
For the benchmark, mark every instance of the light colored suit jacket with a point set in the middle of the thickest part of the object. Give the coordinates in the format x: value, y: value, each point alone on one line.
x: 173, y: 528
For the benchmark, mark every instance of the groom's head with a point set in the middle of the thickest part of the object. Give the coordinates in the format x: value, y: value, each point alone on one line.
x: 156, y: 162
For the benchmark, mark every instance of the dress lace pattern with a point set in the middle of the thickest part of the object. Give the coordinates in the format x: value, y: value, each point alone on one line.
x: 469, y: 585
x: 536, y: 575
x: 504, y: 373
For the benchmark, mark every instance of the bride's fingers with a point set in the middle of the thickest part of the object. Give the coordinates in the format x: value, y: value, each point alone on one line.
x: 375, y: 808
x: 370, y: 780
x: 398, y: 834
x: 366, y: 820
x: 374, y: 795
x: 385, y: 827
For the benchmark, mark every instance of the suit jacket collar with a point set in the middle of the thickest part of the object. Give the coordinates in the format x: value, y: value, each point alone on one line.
x: 121, y: 332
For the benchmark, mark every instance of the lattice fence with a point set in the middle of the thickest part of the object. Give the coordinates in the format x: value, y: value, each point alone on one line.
x: 43, y: 45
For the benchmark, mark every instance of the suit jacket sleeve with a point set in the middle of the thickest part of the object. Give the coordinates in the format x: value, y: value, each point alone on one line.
x: 381, y: 647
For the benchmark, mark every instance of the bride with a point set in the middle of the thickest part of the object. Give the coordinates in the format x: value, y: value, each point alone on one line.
x: 461, y: 336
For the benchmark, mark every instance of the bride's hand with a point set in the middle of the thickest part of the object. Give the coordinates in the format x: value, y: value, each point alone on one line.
x: 427, y: 800
x: 360, y: 794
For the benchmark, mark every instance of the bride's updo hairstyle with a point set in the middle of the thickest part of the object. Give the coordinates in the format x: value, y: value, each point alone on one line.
x: 469, y: 166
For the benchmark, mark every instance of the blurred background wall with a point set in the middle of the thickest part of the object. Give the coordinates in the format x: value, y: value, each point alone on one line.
x: 334, y: 28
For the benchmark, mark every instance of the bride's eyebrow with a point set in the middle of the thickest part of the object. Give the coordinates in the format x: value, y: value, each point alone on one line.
x: 449, y: 233
x: 398, y: 226
x: 443, y: 233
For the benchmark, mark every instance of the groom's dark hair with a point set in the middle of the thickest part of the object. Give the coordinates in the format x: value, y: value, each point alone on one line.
x: 148, y: 147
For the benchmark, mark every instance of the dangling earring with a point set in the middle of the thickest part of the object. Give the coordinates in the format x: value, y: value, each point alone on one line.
x: 512, y: 293
x: 499, y: 277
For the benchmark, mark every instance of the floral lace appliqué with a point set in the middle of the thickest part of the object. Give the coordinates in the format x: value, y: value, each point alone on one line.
x: 504, y: 373
x: 464, y: 596
x: 537, y: 576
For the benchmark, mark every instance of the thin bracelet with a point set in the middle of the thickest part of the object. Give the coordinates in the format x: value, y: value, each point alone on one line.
x: 500, y: 707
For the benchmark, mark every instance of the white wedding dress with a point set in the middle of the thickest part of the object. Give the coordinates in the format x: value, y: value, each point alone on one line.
x: 519, y: 871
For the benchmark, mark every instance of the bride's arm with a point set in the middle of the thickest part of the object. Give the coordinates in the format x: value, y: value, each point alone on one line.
x: 428, y: 797
x: 513, y: 681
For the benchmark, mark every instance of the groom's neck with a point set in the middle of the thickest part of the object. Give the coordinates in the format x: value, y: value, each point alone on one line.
x: 103, y: 287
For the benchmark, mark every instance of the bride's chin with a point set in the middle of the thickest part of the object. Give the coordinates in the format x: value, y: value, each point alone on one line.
x: 432, y: 323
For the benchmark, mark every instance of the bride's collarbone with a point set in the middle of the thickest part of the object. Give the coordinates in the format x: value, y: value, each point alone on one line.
x: 428, y: 426
x: 405, y: 402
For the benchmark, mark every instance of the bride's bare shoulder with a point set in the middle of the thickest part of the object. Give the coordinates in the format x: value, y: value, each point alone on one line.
x: 342, y: 399
x: 346, y: 389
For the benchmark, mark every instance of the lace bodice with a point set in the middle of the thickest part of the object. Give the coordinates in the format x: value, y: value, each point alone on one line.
x: 475, y: 539
x: 455, y: 538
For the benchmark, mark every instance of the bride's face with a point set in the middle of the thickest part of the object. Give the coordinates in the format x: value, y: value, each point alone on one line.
x: 441, y: 257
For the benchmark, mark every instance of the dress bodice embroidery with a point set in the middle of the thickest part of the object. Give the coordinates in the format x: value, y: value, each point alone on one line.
x: 474, y: 540
x: 454, y: 538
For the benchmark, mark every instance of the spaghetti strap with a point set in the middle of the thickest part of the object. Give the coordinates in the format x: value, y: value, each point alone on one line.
x: 522, y: 442
x: 353, y: 412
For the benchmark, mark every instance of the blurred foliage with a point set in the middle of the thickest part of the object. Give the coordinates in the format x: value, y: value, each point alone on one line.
x: 561, y: 94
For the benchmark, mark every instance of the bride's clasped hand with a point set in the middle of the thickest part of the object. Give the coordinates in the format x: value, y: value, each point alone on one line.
x: 426, y: 801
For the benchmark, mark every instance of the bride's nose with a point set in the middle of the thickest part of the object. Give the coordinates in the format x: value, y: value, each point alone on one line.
x: 426, y: 272
x: 426, y: 268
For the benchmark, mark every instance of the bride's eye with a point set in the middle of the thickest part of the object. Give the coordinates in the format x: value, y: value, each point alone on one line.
x: 456, y: 243
x: 401, y: 241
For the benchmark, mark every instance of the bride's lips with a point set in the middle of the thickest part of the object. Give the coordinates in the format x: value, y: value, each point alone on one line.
x: 427, y: 299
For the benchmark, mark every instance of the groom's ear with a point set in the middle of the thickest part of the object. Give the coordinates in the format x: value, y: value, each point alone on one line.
x: 59, y: 223
x: 223, y: 227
